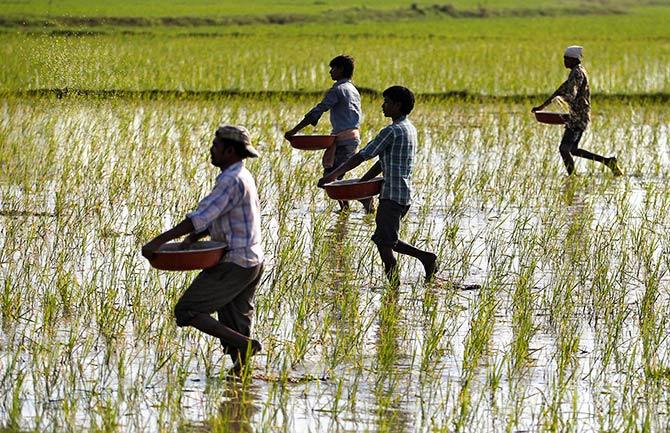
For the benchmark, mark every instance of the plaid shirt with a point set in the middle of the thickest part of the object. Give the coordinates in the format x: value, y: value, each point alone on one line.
x: 396, y: 146
x: 575, y: 91
x: 231, y: 213
x: 344, y: 103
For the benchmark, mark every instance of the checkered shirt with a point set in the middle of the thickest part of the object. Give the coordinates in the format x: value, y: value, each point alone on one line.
x: 395, y: 145
x: 231, y: 213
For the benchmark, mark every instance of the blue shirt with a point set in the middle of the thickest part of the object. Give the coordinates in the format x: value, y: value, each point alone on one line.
x: 231, y: 213
x: 396, y: 146
x: 344, y: 103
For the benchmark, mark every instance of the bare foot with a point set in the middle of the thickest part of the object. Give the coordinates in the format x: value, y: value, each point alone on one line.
x: 245, y: 355
x: 430, y: 265
x: 393, y: 276
x: 613, y: 165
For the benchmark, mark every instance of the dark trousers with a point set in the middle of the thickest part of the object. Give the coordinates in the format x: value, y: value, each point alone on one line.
x: 227, y: 289
x: 570, y: 147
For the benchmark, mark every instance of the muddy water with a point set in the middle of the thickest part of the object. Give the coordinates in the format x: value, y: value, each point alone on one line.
x: 87, y: 337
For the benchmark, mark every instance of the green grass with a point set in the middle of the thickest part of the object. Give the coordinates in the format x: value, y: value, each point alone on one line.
x: 625, y: 54
x: 455, y: 59
x: 156, y: 8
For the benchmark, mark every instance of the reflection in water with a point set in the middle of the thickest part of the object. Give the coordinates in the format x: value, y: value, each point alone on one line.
x: 390, y: 371
x: 572, y: 196
x: 237, y: 409
x: 579, y: 215
x: 338, y: 260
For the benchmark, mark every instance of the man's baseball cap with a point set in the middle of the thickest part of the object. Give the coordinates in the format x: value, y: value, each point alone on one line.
x: 239, y: 134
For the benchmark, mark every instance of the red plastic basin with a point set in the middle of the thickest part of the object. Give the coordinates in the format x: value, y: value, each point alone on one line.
x: 200, y: 255
x: 550, y: 118
x: 312, y: 142
x: 353, y: 189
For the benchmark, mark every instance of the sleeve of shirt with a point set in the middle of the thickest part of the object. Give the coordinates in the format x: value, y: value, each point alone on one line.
x: 568, y: 90
x: 378, y: 144
x: 221, y: 200
x: 331, y: 98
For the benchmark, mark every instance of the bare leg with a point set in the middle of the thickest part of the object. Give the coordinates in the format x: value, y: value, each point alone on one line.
x: 368, y: 205
x: 209, y: 325
x: 390, y: 264
x: 588, y: 155
x: 344, y: 205
x: 569, y: 144
x: 610, y: 162
x: 570, y: 147
x: 427, y: 259
x: 568, y: 161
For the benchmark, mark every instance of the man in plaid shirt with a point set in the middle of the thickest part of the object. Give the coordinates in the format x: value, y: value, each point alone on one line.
x: 229, y: 214
x: 395, y: 145
x: 576, y: 92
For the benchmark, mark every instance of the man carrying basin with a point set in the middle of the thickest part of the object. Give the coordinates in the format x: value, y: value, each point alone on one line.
x: 395, y: 145
x: 344, y: 103
x: 575, y: 91
x: 229, y: 214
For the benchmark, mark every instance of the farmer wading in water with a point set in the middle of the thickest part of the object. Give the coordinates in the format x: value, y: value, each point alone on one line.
x: 229, y: 214
x: 575, y: 91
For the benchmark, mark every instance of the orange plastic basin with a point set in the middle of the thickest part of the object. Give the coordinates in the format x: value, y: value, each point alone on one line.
x: 550, y: 118
x: 200, y: 255
x: 353, y: 189
x: 312, y: 142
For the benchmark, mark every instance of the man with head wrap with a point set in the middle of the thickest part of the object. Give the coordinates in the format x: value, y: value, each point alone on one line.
x: 575, y: 91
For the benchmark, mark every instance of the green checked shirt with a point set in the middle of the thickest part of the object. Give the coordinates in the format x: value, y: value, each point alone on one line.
x: 395, y: 145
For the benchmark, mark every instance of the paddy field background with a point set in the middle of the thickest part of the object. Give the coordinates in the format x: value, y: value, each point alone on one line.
x: 551, y: 310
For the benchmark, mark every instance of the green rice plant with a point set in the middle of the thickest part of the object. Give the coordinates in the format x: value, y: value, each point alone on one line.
x: 476, y: 345
x: 522, y: 318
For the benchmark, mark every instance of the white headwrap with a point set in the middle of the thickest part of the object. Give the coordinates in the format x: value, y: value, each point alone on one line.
x: 574, y: 51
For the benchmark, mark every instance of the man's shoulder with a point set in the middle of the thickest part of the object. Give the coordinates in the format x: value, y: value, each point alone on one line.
x: 246, y: 179
x: 389, y: 129
x: 579, y: 71
x: 236, y: 184
x: 401, y: 132
x: 225, y: 181
x: 232, y: 175
x: 404, y: 125
x: 345, y: 87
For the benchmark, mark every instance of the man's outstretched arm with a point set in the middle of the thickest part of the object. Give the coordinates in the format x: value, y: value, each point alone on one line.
x: 346, y: 166
x: 183, y: 228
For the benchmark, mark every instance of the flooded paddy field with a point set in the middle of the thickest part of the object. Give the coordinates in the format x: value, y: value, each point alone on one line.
x: 550, y: 310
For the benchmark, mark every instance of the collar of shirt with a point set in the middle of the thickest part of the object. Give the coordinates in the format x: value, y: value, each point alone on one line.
x: 400, y: 119
x: 231, y: 169
x: 342, y: 81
